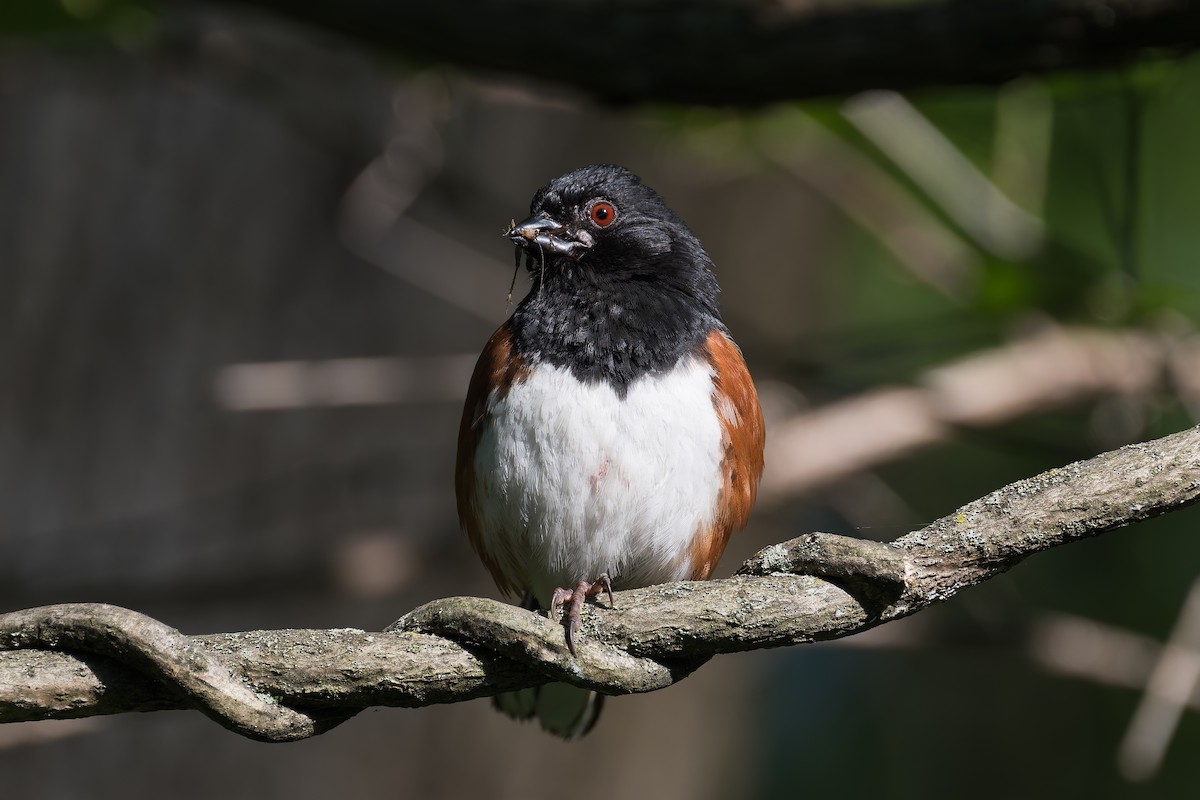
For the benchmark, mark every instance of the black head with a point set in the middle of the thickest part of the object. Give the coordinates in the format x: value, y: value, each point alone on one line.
x: 621, y: 287
x: 601, y: 223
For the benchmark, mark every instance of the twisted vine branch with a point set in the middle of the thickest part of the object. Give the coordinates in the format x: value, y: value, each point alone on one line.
x: 87, y: 659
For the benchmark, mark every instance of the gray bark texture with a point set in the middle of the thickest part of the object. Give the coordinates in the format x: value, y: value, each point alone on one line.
x: 85, y: 659
x: 717, y: 52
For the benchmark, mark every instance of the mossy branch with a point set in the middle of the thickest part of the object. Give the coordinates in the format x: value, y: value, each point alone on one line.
x: 85, y: 659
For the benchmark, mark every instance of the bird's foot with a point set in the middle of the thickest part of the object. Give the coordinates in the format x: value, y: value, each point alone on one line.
x: 576, y: 597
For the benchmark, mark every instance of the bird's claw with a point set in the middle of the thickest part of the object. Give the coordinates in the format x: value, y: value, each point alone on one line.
x: 576, y: 597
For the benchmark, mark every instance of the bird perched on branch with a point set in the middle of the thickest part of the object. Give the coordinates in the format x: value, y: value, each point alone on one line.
x: 611, y: 437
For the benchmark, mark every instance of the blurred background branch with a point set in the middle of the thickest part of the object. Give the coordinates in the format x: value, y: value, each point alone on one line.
x: 752, y: 52
x: 1047, y: 369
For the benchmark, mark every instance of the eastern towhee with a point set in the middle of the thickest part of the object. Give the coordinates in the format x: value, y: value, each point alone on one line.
x: 611, y: 437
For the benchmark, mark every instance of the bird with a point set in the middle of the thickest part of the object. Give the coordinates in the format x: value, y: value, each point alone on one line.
x: 611, y: 436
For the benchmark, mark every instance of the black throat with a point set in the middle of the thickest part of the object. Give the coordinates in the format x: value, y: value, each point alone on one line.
x: 608, y: 328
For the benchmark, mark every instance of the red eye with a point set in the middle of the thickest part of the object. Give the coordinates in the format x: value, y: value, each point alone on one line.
x: 603, y: 214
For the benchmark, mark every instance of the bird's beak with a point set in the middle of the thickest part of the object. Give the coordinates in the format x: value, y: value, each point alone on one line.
x: 542, y: 232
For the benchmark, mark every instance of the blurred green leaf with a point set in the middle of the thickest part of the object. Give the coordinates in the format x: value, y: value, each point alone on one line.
x: 102, y: 18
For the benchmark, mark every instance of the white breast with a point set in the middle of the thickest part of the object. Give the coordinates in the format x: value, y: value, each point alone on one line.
x: 573, y: 481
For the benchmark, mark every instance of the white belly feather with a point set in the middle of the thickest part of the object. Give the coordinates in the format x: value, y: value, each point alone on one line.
x: 574, y: 481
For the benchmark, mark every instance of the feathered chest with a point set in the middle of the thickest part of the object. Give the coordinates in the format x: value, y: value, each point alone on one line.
x: 572, y: 478
x: 606, y: 331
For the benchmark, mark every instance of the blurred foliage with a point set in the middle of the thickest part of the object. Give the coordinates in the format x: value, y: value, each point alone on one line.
x: 1113, y: 188
x: 1116, y: 200
x: 121, y: 21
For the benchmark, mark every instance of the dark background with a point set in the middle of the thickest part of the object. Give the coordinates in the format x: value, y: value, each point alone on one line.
x: 245, y: 267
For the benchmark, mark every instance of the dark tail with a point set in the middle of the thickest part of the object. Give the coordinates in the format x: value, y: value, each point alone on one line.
x: 562, y: 709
